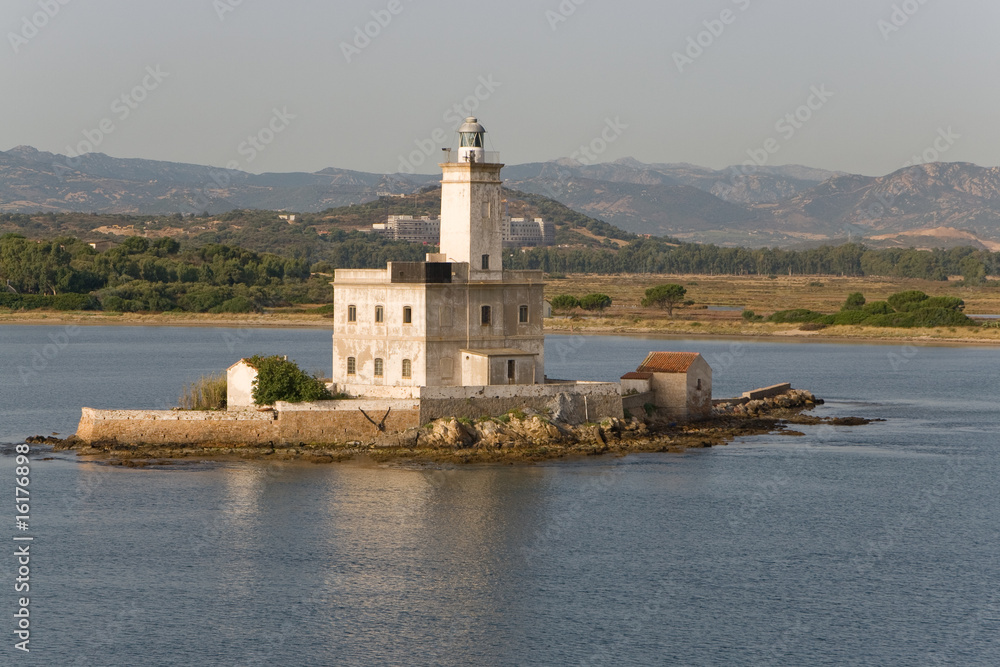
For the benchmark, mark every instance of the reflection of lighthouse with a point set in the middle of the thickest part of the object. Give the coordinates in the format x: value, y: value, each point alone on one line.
x: 470, y: 206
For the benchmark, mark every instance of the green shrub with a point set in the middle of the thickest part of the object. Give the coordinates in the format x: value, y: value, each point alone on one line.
x: 238, y: 304
x: 946, y: 302
x: 565, y: 302
x: 877, y: 308
x: 281, y: 380
x: 855, y: 301
x: 74, y: 302
x: 595, y: 302
x: 750, y: 316
x: 906, y: 301
x: 849, y: 317
x: 796, y: 315
x: 208, y: 393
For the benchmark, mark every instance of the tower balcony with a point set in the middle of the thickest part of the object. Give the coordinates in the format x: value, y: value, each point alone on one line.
x: 488, y: 157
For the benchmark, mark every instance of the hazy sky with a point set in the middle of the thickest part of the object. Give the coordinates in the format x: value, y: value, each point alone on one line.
x: 886, y: 79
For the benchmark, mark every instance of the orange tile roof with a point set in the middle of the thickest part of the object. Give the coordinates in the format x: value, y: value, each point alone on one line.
x: 668, y: 362
x: 635, y: 375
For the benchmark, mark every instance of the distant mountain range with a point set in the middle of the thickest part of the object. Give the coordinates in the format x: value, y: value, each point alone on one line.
x: 930, y: 205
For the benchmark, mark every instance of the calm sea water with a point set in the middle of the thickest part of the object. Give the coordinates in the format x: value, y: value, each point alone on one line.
x: 872, y: 545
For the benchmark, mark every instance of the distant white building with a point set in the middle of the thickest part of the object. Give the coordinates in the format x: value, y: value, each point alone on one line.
x: 515, y: 232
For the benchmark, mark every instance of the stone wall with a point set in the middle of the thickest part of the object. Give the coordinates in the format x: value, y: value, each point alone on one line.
x: 767, y: 392
x: 327, y: 422
x: 571, y: 402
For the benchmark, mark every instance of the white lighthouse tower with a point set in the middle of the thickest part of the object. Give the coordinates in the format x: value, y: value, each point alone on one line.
x: 470, y: 206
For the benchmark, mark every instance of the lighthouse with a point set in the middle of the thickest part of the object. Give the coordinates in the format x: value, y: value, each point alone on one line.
x: 471, y: 213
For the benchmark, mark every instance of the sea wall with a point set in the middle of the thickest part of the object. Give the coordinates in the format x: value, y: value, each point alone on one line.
x: 767, y: 392
x: 378, y: 420
x: 570, y: 402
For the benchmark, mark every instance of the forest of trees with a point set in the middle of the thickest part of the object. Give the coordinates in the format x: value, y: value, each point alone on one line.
x: 213, y: 273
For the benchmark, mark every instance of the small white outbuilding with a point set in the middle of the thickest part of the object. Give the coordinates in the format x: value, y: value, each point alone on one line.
x: 239, y: 385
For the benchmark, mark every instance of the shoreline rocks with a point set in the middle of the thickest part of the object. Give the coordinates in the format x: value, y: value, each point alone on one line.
x: 518, y: 436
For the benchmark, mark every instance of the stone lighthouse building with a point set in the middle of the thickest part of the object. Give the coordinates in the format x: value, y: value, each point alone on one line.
x: 457, y: 319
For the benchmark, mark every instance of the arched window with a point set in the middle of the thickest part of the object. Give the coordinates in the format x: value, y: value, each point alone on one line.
x: 379, y: 314
x: 379, y: 368
x: 352, y: 366
x: 407, y: 315
x: 407, y: 369
x: 352, y: 313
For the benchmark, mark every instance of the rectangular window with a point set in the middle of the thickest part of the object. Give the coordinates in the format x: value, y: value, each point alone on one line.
x: 407, y: 315
x: 352, y: 366
x: 486, y: 262
x: 407, y: 369
x: 486, y: 315
x: 352, y: 313
x: 379, y: 314
x: 379, y: 368
x: 511, y: 370
x: 522, y: 314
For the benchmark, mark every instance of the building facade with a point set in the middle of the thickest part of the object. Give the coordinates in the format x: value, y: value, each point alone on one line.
x: 456, y: 319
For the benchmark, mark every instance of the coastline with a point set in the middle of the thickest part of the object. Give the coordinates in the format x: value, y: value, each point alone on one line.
x: 515, y: 438
x: 666, y: 329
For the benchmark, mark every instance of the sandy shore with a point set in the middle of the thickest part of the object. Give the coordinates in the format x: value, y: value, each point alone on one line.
x: 664, y: 328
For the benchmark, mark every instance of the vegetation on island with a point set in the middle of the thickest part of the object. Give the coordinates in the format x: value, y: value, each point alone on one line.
x: 911, y: 308
x: 279, y: 379
x: 207, y: 393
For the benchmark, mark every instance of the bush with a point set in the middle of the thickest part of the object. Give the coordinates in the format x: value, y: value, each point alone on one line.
x: 903, y: 302
x: 849, y: 317
x: 565, y: 302
x: 812, y: 326
x: 877, y: 308
x: 595, y: 302
x: 946, y: 302
x: 238, y: 304
x: 750, y: 316
x: 795, y: 316
x: 281, y: 380
x: 208, y: 393
x: 75, y: 302
x: 855, y: 301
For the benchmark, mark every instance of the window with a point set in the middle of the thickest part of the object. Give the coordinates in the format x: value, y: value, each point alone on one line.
x: 379, y: 368
x: 407, y: 369
x: 352, y: 366
x: 511, y: 371
x: 352, y: 313
x: 379, y: 314
x: 486, y: 262
x: 486, y: 315
x: 522, y: 314
x: 407, y: 315
x: 699, y: 384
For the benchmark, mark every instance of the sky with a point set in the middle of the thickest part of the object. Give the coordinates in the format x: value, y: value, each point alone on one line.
x: 861, y: 86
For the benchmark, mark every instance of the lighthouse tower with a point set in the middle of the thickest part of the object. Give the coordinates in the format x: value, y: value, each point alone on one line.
x: 470, y: 206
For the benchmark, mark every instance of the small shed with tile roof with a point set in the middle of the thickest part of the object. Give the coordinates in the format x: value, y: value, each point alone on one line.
x: 681, y: 383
